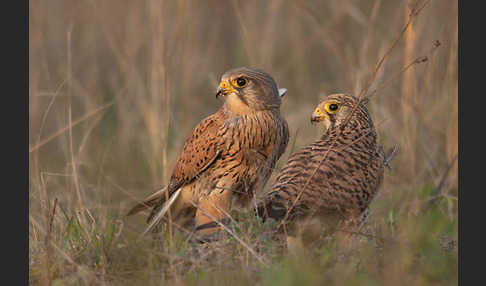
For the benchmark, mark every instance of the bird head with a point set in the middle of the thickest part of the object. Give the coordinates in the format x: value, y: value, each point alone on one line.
x: 248, y: 89
x: 334, y: 110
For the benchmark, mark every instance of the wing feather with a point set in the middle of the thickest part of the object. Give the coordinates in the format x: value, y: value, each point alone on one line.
x: 200, y: 151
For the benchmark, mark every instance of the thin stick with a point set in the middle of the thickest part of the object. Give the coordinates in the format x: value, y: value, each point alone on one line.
x: 52, y: 216
x: 418, y: 60
x: 414, y: 13
x: 70, y: 126
x: 44, y: 117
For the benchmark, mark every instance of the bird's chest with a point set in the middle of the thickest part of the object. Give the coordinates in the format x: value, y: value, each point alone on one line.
x: 248, y: 149
x: 250, y: 139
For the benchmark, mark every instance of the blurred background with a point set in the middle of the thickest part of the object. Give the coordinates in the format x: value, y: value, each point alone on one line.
x: 115, y: 88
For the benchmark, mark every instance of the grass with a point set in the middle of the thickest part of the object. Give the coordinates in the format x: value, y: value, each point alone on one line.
x: 407, y: 249
x: 117, y: 86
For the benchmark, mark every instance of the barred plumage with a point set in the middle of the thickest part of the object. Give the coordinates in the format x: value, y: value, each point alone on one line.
x: 335, y: 178
x: 230, y: 154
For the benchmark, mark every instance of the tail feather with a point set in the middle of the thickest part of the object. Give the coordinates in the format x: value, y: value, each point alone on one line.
x: 156, y: 217
x: 269, y: 209
x: 149, y: 202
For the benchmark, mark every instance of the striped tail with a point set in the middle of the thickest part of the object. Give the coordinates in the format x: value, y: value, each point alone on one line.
x: 149, y: 202
x: 158, y: 213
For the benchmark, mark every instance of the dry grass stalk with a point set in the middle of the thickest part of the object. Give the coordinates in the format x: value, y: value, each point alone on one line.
x: 251, y: 250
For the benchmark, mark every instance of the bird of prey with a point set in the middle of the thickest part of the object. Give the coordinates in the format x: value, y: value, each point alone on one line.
x: 333, y: 179
x: 229, y: 156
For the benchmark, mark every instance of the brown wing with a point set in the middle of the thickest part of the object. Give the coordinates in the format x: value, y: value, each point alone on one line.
x: 345, y: 182
x: 199, y: 151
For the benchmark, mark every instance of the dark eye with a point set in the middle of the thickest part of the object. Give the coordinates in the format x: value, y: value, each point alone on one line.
x: 241, y: 82
x: 333, y: 107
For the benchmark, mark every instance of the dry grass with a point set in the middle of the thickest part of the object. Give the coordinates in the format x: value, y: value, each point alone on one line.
x: 115, y: 88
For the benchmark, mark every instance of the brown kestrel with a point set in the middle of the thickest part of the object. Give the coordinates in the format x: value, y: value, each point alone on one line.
x: 229, y: 156
x: 333, y: 179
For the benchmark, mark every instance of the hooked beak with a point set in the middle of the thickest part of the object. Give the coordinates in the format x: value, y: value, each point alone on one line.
x: 224, y: 89
x: 317, y: 117
x: 219, y: 92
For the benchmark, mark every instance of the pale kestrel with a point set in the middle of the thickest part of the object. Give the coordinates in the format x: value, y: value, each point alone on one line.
x: 333, y: 179
x: 229, y: 156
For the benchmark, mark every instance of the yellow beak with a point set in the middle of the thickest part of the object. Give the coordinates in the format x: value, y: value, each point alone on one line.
x: 224, y: 89
x: 317, y: 116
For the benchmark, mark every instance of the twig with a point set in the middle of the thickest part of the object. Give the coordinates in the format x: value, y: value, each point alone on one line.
x: 52, y: 216
x: 44, y: 117
x: 414, y: 13
x: 418, y: 60
x: 73, y: 123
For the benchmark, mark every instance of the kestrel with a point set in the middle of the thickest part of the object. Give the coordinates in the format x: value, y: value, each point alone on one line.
x: 229, y: 156
x: 335, y: 178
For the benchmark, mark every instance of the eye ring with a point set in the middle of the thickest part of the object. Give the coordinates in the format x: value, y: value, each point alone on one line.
x: 332, y: 107
x: 240, y: 82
